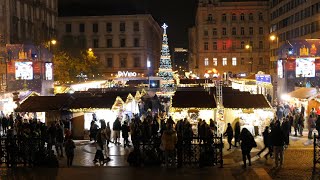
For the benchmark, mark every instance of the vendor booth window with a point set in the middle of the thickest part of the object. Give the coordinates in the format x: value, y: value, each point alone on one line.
x: 234, y: 61
x: 224, y: 62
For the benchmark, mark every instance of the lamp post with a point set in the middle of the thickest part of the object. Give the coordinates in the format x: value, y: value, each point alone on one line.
x: 274, y: 54
x: 249, y: 48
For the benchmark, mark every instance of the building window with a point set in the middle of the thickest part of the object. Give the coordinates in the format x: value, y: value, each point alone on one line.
x: 122, y: 27
x: 234, y: 61
x: 261, y: 30
x: 234, y: 31
x: 234, y: 44
x: 251, y: 44
x: 224, y: 31
x: 224, y: 17
x: 136, y: 62
x: 68, y: 28
x: 250, y: 30
x: 95, y: 43
x: 123, y: 62
x: 215, y: 62
x: 242, y: 31
x: 215, y: 46
x: 95, y: 27
x: 234, y: 17
x: 109, y: 27
x: 250, y: 17
x: 224, y: 62
x: 206, y: 61
x: 242, y: 17
x: 206, y: 46
x: 210, y: 17
x: 109, y: 62
x: 109, y: 43
x: 136, y: 42
x: 214, y: 32
x: 242, y: 45
x: 260, y: 44
x: 261, y: 61
x: 136, y: 27
x: 242, y: 61
x: 81, y: 28
x: 224, y: 45
x: 260, y: 17
x: 205, y: 32
x: 122, y: 42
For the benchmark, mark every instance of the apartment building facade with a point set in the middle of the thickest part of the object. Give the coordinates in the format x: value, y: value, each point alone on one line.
x: 126, y: 45
x: 229, y: 37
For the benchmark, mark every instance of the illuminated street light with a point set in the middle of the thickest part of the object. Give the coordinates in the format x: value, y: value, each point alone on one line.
x: 53, y: 42
x: 247, y: 46
x: 273, y: 37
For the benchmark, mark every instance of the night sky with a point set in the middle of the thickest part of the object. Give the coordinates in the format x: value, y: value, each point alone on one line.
x: 178, y: 14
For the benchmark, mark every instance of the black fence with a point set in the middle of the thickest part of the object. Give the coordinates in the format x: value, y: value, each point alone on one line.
x: 22, y: 151
x: 191, y: 152
x: 316, y: 151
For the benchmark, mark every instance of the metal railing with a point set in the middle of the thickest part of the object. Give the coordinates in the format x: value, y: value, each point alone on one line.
x: 191, y: 152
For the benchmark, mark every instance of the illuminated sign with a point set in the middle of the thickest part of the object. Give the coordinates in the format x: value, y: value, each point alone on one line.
x: 280, y: 69
x: 126, y: 74
x: 263, y: 78
x: 305, y: 67
x: 23, y: 70
x: 49, y: 72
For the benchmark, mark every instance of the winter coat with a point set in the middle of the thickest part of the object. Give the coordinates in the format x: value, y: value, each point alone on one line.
x: 169, y: 140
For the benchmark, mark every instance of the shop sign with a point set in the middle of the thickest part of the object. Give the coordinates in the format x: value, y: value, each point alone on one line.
x: 126, y: 74
x: 263, y: 78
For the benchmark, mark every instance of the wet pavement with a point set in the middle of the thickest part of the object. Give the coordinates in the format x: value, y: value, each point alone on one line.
x: 298, y: 163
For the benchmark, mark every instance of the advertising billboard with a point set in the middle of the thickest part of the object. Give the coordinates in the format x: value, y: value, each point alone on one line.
x: 305, y: 67
x: 49, y: 71
x: 23, y: 70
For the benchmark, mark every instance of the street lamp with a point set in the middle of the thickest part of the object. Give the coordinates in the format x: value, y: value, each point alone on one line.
x: 249, y: 47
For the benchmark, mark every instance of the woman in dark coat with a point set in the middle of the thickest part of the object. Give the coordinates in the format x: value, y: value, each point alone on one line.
x: 229, y: 134
x: 125, y: 133
x: 247, y: 143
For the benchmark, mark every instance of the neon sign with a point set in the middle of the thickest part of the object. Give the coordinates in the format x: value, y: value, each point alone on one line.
x: 126, y: 74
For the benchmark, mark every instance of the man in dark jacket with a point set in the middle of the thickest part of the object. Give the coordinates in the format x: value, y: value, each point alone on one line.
x: 278, y: 141
x: 266, y: 141
x: 229, y: 134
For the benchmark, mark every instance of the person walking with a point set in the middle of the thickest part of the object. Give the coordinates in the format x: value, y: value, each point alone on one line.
x: 266, y: 142
x: 311, y: 125
x: 286, y: 130
x: 108, y: 134
x: 278, y: 141
x: 247, y: 143
x: 237, y: 134
x: 116, y: 131
x: 104, y: 137
x: 301, y: 124
x: 229, y: 134
x: 59, y: 140
x: 69, y: 150
x: 168, y: 143
x: 125, y: 134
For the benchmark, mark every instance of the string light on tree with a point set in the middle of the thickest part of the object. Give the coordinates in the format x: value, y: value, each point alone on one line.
x: 165, y: 68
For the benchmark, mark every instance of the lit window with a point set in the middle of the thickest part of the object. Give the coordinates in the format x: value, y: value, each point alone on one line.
x: 215, y: 62
x: 206, y: 62
x: 224, y: 62
x: 234, y: 61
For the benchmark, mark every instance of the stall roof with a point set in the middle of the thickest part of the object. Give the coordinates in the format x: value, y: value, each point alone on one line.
x: 44, y: 104
x: 304, y: 93
x: 246, y: 101
x: 193, y: 99
x: 93, y: 102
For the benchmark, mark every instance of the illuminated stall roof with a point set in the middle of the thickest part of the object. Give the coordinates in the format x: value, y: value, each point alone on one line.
x: 193, y: 99
x: 304, y: 93
x: 245, y: 101
x: 44, y: 104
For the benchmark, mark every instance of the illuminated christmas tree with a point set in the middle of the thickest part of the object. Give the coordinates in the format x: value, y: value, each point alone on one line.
x: 165, y: 68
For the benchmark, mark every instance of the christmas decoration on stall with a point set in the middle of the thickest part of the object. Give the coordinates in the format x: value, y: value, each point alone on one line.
x: 118, y: 104
x: 137, y: 97
x: 165, y: 68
